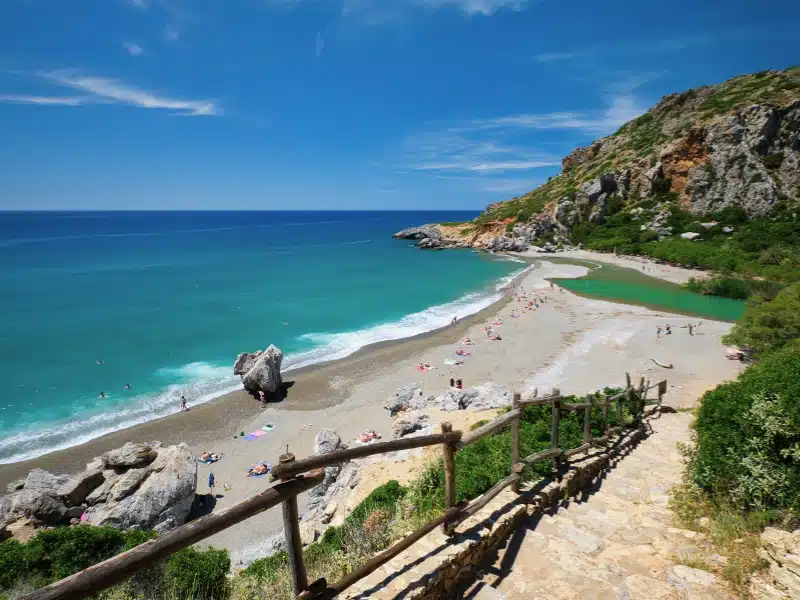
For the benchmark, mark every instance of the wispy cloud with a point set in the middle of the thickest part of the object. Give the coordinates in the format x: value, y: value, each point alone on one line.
x: 140, y: 4
x: 133, y: 49
x: 45, y: 100
x: 450, y: 153
x: 548, y: 57
x: 374, y: 12
x: 319, y: 44
x: 104, y: 90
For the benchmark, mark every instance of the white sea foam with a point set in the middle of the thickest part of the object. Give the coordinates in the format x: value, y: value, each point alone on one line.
x: 333, y: 346
x: 201, y: 382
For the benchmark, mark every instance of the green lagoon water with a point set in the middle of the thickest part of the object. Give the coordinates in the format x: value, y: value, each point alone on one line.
x: 619, y: 284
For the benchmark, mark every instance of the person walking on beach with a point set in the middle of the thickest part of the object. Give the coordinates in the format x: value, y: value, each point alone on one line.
x: 183, y: 403
x: 263, y: 398
x: 211, y: 482
x: 667, y: 330
x: 658, y: 331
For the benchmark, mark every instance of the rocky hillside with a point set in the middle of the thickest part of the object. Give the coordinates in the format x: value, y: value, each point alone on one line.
x: 735, y: 146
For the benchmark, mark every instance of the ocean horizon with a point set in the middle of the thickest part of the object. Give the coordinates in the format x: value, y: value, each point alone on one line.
x: 165, y: 300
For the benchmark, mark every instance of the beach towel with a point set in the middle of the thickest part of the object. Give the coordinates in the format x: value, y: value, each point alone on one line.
x: 208, y: 461
x: 268, y: 427
x: 255, y: 435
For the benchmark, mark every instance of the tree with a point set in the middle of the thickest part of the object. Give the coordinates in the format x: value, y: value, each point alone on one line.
x: 767, y: 326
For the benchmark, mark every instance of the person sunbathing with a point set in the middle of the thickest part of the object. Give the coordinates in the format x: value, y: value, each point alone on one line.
x: 259, y: 469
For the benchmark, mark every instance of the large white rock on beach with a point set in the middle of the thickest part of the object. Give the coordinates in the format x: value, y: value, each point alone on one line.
x: 264, y: 372
x: 409, y: 397
x: 158, y: 496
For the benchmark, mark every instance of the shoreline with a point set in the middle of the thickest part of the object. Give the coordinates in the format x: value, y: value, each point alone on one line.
x: 308, y: 384
x: 570, y: 342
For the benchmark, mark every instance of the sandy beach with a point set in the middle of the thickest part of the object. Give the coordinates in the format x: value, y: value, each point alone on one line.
x: 570, y: 342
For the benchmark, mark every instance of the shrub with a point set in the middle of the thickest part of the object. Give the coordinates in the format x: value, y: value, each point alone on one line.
x: 748, y: 436
x: 12, y: 563
x: 266, y: 569
x: 198, y: 574
x: 385, y: 497
x: 661, y: 185
x: 769, y: 325
x: 773, y: 161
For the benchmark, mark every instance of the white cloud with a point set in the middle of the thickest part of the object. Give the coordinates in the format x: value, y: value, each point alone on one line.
x: 45, y: 100
x: 103, y: 90
x: 622, y: 107
x: 133, y: 49
x: 141, y: 4
x: 373, y: 12
x: 319, y: 44
x: 449, y: 152
x: 474, y: 7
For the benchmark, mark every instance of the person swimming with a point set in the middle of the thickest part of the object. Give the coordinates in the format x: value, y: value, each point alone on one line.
x: 102, y: 394
x: 127, y: 386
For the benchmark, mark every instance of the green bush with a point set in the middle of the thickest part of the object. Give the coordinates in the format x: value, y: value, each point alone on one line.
x: 198, y: 574
x: 384, y: 497
x: 12, y: 563
x: 53, y: 554
x: 769, y: 325
x: 773, y: 161
x: 748, y: 436
x: 661, y: 185
x: 266, y: 569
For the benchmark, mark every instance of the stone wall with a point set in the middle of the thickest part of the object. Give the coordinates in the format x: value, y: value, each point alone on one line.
x: 436, y: 566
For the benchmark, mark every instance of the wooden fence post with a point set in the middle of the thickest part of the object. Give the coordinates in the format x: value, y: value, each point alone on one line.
x: 555, y: 416
x: 448, y: 452
x: 291, y: 528
x: 640, y: 403
x: 605, y: 415
x: 515, y: 440
x: 628, y: 395
x: 587, y: 422
x: 662, y: 389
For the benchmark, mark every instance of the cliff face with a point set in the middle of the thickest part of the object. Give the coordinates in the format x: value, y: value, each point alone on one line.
x: 736, y: 144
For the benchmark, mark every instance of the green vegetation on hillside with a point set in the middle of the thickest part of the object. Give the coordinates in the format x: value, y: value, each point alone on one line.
x: 53, y: 554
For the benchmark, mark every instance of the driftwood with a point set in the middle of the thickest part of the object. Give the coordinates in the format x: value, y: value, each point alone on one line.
x: 660, y: 364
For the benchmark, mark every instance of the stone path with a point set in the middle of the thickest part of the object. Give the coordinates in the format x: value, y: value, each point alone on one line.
x: 620, y: 543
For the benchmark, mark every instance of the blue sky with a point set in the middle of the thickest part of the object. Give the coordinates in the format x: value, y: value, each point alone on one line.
x: 342, y: 104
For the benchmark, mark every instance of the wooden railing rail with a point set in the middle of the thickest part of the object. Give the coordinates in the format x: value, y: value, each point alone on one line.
x: 298, y: 476
x: 283, y: 471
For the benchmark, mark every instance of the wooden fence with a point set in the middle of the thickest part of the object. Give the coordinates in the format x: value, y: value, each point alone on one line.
x: 297, y: 476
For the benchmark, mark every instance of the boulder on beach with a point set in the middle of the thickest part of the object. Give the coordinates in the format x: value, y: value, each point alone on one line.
x: 481, y: 397
x: 261, y: 370
x: 406, y: 398
x: 138, y: 486
x: 405, y: 427
x: 157, y: 496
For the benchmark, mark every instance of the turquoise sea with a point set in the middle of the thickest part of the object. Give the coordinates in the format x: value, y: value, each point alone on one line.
x: 166, y: 300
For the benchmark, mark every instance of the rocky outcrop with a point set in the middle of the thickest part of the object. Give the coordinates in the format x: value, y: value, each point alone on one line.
x: 419, y: 233
x: 138, y: 486
x: 337, y: 477
x: 781, y: 551
x: 736, y: 144
x: 404, y: 427
x: 261, y: 370
x: 481, y: 397
x: 409, y: 397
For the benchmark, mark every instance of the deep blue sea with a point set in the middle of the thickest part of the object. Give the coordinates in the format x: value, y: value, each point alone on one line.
x: 166, y: 300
